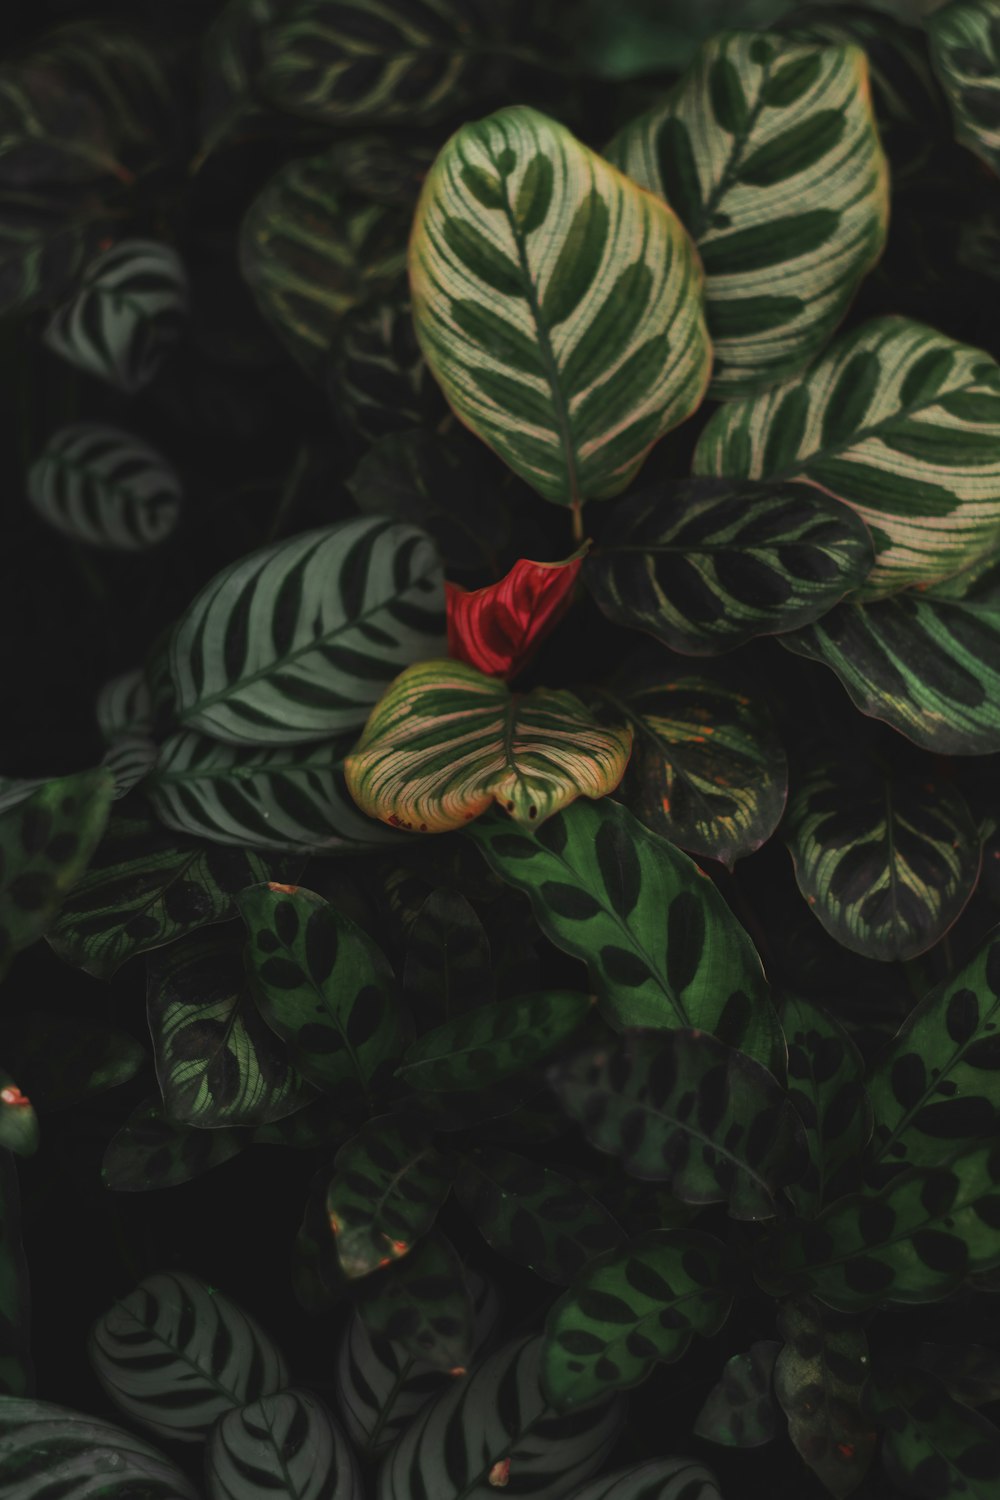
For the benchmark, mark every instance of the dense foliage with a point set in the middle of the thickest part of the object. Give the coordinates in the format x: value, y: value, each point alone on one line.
x: 498, y: 825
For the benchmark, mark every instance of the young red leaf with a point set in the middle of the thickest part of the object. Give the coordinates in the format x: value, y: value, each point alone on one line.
x: 498, y: 628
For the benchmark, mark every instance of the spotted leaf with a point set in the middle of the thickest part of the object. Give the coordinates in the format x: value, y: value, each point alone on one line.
x: 965, y: 47
x: 558, y: 305
x: 739, y: 1411
x: 818, y: 1376
x: 447, y: 969
x: 445, y: 741
x: 768, y: 151
x: 152, y: 1151
x: 899, y: 422
x: 933, y: 1446
x: 886, y: 862
x: 708, y: 564
x: 633, y: 1307
x: 423, y: 1303
x: 493, y: 1041
x: 662, y: 947
x: 16, y: 1371
x: 970, y: 1372
x: 682, y: 1108
x: 825, y: 1073
x: 498, y: 628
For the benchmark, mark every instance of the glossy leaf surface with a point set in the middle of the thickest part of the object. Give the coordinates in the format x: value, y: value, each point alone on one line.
x: 384, y: 1196
x: 104, y: 486
x: 498, y: 628
x: 493, y: 1041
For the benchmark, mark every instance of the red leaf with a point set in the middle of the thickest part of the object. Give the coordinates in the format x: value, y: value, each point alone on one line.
x: 497, y: 629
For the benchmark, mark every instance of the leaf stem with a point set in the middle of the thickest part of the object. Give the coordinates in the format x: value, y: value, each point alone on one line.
x: 577, y: 513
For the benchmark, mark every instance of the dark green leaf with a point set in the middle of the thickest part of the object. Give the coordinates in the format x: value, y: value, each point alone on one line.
x: 825, y: 1073
x: 493, y: 1041
x: 16, y: 1373
x: 387, y: 1188
x: 423, y: 1303
x: 447, y: 968
x: 18, y: 1121
x: 965, y: 46
x: 818, y: 1376
x: 739, y: 1411
x: 150, y: 1151
x: 933, y: 1447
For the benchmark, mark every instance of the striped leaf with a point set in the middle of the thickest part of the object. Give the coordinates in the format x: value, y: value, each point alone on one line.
x: 423, y: 1302
x: 146, y: 887
x: 886, y: 862
x: 446, y: 741
x: 499, y: 628
x: 309, y: 254
x: 899, y: 422
x: 217, y: 1063
x: 707, y: 770
x: 228, y: 67
x: 61, y: 1060
x: 825, y: 1072
x: 682, y: 1108
x: 924, y: 661
x: 662, y: 947
x: 175, y: 1354
x: 739, y: 1411
x: 382, y: 1386
x: 151, y: 1151
x: 104, y: 486
x: 341, y: 61
x: 932, y: 1445
x: 708, y: 564
x: 296, y: 641
x: 17, y: 1376
x: 130, y: 307
x: 631, y: 1308
x: 323, y: 987
x: 493, y: 1041
x: 388, y: 168
x: 129, y: 759
x: 965, y: 46
x: 447, y: 969
x: 655, y: 1479
x: 376, y: 378
x: 768, y: 151
x: 533, y: 1215
x: 52, y: 131
x: 818, y: 1377
x: 45, y: 242
x: 291, y: 799
x: 50, y: 1449
x: 124, y: 706
x: 282, y: 1447
x: 496, y: 1422
x: 384, y: 1196
x: 558, y: 306
x: 18, y: 1121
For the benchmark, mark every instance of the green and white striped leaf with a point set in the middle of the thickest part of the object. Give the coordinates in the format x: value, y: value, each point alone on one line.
x: 886, y: 862
x: 657, y: 1479
x: 493, y: 1041
x: 932, y: 1445
x: 283, y: 1447
x: 681, y: 1107
x: 899, y: 422
x: 385, y: 1193
x: 217, y: 1063
x: 768, y: 151
x: 382, y: 1386
x: 377, y: 379
x: 175, y: 1354
x: 49, y: 1449
x: 818, y: 1378
x: 446, y: 741
x: 298, y: 640
x: 293, y: 799
x: 826, y: 1088
x: 707, y: 770
x: 130, y: 760
x: 17, y: 1376
x: 151, y: 1151
x: 927, y: 662
x: 101, y: 485
x: 310, y: 253
x: 965, y: 46
x: 124, y: 705
x: 709, y: 564
x: 423, y: 1302
x: 662, y: 947
x: 558, y: 305
x: 496, y: 1422
x: 131, y: 306
x: 631, y: 1308
x: 739, y: 1411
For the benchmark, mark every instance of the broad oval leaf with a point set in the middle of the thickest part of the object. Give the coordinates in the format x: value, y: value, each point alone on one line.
x: 447, y: 967
x: 387, y: 1186
x: 681, y: 1107
x: 151, y: 1151
x: 296, y: 641
x: 48, y: 1447
x: 933, y: 1446
x: 631, y: 1308
x: 709, y: 564
x: 101, y: 485
x: 424, y: 1303
x: 388, y: 167
x: 376, y: 378
x: 768, y: 151
x: 175, y: 1354
x: 965, y: 46
x: 557, y: 304
x: 818, y: 1376
x: 498, y: 628
x: 493, y: 1041
x: 739, y: 1411
x: 130, y: 308
x: 899, y: 422
x: 886, y: 862
x: 825, y: 1073
x: 662, y: 947
x: 284, y: 1446
x: 498, y: 1421
x: 61, y: 1059
x: 445, y: 741
x: 656, y: 1479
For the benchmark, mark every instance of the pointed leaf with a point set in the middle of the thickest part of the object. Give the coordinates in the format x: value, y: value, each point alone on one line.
x: 768, y: 151
x: 18, y: 1121
x: 101, y: 485
x: 16, y: 1372
x: 825, y: 1073
x: 130, y: 760
x: 423, y: 1303
x: 899, y: 422
x: 493, y: 1041
x: 384, y: 1196
x: 739, y: 1411
x: 558, y: 305
x: 376, y: 377
x: 934, y: 1447
x: 388, y: 167
x: 62, y: 1059
x: 656, y: 1479
x: 445, y: 741
x: 48, y: 1447
x: 965, y: 46
x: 296, y: 641
x: 283, y: 1447
x: 818, y: 1376
x: 447, y: 969
x: 497, y: 629
x: 631, y: 1308
x: 151, y: 1151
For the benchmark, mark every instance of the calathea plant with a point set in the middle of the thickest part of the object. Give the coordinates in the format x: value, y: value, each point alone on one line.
x: 633, y: 1015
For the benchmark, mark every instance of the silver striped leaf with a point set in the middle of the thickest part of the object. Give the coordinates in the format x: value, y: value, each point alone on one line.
x: 15, y: 789
x: 283, y: 1447
x: 495, y: 1423
x: 382, y: 1386
x: 292, y: 799
x: 298, y: 640
x: 965, y: 47
x: 656, y: 1479
x: 175, y: 1355
x: 124, y: 706
x: 101, y: 485
x: 130, y: 307
x: 50, y: 1450
x: 130, y: 758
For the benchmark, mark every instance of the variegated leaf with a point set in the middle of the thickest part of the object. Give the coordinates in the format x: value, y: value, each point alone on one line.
x: 965, y: 46
x: 933, y: 1447
x: 739, y: 1411
x: 557, y: 304
x: 285, y: 1446
x: 388, y: 1184
x: 898, y: 421
x: 101, y: 485
x: 124, y: 706
x: 446, y: 741
x: 768, y: 151
x: 376, y: 378
x: 49, y: 1448
x: 818, y: 1377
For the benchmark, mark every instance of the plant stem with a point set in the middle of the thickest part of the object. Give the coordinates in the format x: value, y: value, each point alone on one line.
x: 577, y: 510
